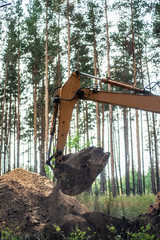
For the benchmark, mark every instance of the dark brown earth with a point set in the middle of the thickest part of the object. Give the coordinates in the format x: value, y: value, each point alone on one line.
x: 31, y: 202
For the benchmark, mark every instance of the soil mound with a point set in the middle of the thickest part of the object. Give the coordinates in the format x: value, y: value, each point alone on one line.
x: 34, y: 204
x: 30, y: 200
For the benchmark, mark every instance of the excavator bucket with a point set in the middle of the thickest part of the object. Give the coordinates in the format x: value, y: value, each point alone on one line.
x: 78, y: 171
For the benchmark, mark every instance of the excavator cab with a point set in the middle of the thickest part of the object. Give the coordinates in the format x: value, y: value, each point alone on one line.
x: 75, y: 173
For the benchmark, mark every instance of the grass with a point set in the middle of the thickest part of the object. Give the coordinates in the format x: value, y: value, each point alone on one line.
x: 120, y: 206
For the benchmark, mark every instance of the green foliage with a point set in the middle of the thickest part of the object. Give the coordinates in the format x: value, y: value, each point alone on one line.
x: 147, y: 232
x: 74, y: 142
x: 143, y: 233
x: 113, y: 233
x: 11, y: 234
x: 49, y: 172
x: 120, y: 206
x: 14, y: 233
x: 77, y: 234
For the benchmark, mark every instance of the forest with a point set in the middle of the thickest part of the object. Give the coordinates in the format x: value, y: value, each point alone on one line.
x: 42, y: 43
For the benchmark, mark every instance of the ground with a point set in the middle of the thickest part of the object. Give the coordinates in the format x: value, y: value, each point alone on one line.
x: 35, y: 205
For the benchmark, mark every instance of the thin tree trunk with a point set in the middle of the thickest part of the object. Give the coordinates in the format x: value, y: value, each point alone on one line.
x: 132, y: 158
x: 35, y: 123
x: 108, y: 166
x: 126, y: 140
x: 9, y: 133
x: 117, y: 187
x: 155, y: 141
x: 142, y: 153
x: 15, y: 117
x: 2, y: 117
x: 77, y: 106
x: 18, y: 112
x: 87, y: 130
x: 137, y: 122
x: 156, y: 151
x: 110, y: 107
x: 6, y: 137
x: 119, y: 155
x: 138, y: 154
x: 125, y: 118
x: 151, y: 160
x: 116, y: 170
x: 95, y: 73
x: 77, y: 122
x: 59, y: 56
x: 68, y: 27
x: 46, y: 89
x: 141, y: 71
x: 103, y: 186
x: 42, y: 154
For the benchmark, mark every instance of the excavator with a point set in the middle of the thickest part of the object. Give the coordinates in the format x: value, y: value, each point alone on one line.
x: 75, y: 173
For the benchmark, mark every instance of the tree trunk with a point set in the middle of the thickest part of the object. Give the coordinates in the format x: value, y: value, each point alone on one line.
x: 117, y: 184
x: 142, y: 153
x: 103, y: 185
x: 35, y: 122
x: 15, y: 117
x: 9, y: 133
x: 59, y: 56
x: 125, y: 119
x: 95, y: 73
x: 126, y: 140
x: 6, y: 136
x: 77, y: 106
x: 155, y: 140
x: 110, y: 107
x: 156, y: 151
x: 151, y: 160
x: 42, y: 152
x: 119, y: 155
x: 2, y: 117
x: 87, y: 130
x: 77, y: 121
x: 137, y: 123
x: 68, y: 27
x: 18, y: 112
x: 142, y: 78
x: 138, y: 154
x: 46, y: 89
x: 132, y: 158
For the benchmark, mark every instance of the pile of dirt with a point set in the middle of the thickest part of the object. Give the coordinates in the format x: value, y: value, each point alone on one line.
x: 34, y: 204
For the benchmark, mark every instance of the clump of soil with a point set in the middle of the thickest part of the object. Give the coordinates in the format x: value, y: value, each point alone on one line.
x: 34, y: 204
x: 78, y: 171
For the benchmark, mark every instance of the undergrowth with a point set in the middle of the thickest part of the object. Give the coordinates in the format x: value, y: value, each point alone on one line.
x: 120, y: 206
x: 143, y: 233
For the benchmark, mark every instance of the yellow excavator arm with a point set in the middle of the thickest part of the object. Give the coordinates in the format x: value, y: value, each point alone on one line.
x: 71, y: 92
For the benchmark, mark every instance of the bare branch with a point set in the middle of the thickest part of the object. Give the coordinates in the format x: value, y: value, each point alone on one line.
x: 5, y: 4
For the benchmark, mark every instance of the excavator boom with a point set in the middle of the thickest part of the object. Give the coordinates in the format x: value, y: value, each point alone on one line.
x: 75, y: 173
